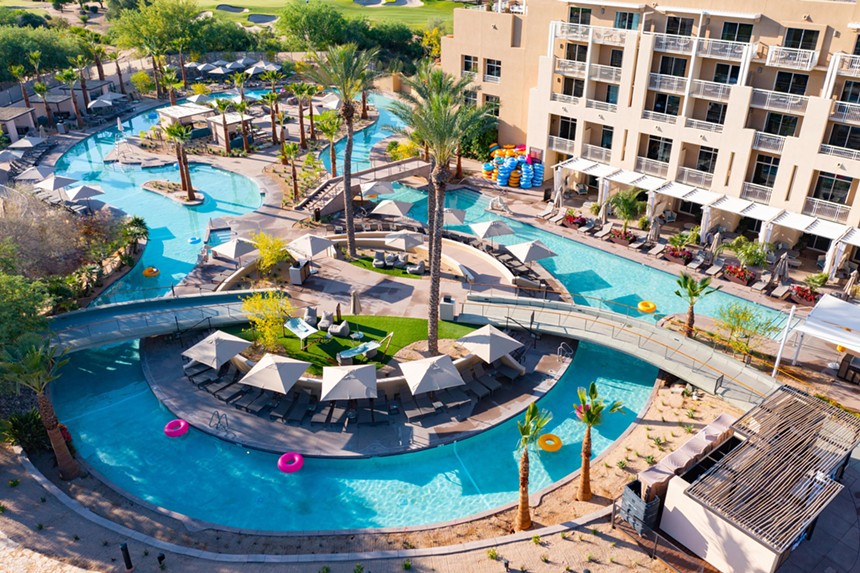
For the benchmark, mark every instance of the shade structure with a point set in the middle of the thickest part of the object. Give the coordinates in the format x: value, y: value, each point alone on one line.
x: 392, y: 208
x: 255, y: 69
x: 234, y: 248
x: 234, y: 66
x: 195, y: 65
x: 7, y: 156
x: 80, y: 193
x: 35, y: 173
x: 275, y: 373
x: 354, y: 303
x: 272, y: 67
x: 246, y: 61
x: 216, y: 349
x: 431, y: 374
x: 454, y: 216
x: 218, y: 63
x: 112, y: 96
x: 205, y: 67
x: 375, y: 188
x: 490, y: 229
x: 531, y: 251
x: 200, y: 98
x: 404, y: 240
x: 55, y: 182
x: 26, y: 143
x: 309, y: 246
x: 489, y: 343
x: 219, y: 72
x: 348, y: 382
x: 99, y: 104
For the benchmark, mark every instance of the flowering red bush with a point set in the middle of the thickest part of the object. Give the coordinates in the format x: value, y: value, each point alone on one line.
x: 622, y: 235
x: 739, y: 272
x: 573, y: 218
x: 64, y: 431
x: 803, y: 293
x: 684, y: 254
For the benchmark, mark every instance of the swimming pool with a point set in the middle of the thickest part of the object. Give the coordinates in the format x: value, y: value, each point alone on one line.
x: 117, y: 425
x: 365, y: 139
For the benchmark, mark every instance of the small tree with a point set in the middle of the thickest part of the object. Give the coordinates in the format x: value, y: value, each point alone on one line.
x: 744, y: 326
x: 815, y: 282
x: 114, y: 57
x: 531, y: 428
x: 135, y: 231
x: 171, y: 83
x: 303, y: 92
x: 272, y: 251
x: 691, y: 291
x: 289, y: 152
x: 267, y: 312
x: 749, y: 253
x: 20, y: 76
x: 590, y: 412
x: 271, y: 98
x: 142, y: 82
x: 627, y: 206
x: 200, y: 89
x: 238, y: 80
x: 80, y: 63
x: 329, y: 124
x: 41, y: 90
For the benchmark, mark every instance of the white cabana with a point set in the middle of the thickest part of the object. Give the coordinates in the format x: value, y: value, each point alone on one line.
x: 183, y: 113
x: 531, y: 251
x: 489, y: 343
x: 348, y: 382
x: 275, y: 373
x: 392, y: 208
x: 834, y: 321
x: 625, y: 177
x: 234, y: 249
x: 216, y: 349
x: 404, y: 240
x: 55, y: 182
x: 431, y: 374
x: 601, y: 170
x: 308, y: 246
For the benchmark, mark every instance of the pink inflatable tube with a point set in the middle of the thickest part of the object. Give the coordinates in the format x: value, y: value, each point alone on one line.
x: 291, y: 462
x: 176, y: 428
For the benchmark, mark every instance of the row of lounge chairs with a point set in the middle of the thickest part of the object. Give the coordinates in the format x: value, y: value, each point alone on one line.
x: 401, y: 261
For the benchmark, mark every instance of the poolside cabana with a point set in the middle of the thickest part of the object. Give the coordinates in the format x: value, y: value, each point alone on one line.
x: 60, y: 104
x: 95, y: 89
x: 234, y: 126
x: 185, y: 114
x: 16, y: 121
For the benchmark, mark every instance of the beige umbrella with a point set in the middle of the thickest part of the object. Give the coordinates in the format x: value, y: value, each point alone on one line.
x: 490, y: 229
x: 354, y: 303
x: 348, y: 382
x: 276, y: 373
x: 654, y: 230
x: 375, y: 188
x: 216, y: 349
x: 454, y: 216
x: 489, y: 343
x: 80, y: 193
x: 36, y: 173
x: 715, y: 243
x: 392, y: 208
x: 308, y: 246
x: 431, y: 374
x: 531, y: 251
x: 55, y: 182
x: 850, y: 283
x: 404, y: 240
x: 234, y: 249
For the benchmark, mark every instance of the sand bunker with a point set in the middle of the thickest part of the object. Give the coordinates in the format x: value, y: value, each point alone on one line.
x: 261, y: 18
x: 396, y: 3
x: 229, y: 8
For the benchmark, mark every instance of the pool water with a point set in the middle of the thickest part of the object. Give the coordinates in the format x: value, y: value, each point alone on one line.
x: 117, y: 424
x: 365, y: 139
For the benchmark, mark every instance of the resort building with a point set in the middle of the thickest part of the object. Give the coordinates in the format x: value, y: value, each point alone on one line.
x: 743, y: 115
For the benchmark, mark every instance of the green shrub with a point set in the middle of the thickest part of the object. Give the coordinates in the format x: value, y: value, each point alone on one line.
x: 25, y: 429
x: 644, y: 223
x: 142, y: 82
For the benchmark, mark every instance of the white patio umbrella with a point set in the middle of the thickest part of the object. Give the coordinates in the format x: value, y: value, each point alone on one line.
x: 489, y: 343
x: 375, y: 188
x: 6, y: 156
x: 234, y: 66
x: 354, y: 303
x: 35, y: 173
x: 112, y: 96
x: 218, y: 63
x: 216, y: 349
x: 26, y: 143
x: 348, y: 382
x: 431, y: 374
x: 55, y: 182
x: 205, y: 67
x: 276, y: 373
x: 195, y: 65
x: 200, y: 98
x: 490, y: 229
x: 781, y: 269
x: 309, y: 246
x: 715, y: 243
x: 654, y: 230
x: 219, y: 72
x: 255, y: 69
x: 603, y: 215
x: 392, y: 208
x: 531, y: 251
x: 234, y: 249
x: 403, y: 240
x: 246, y: 61
x: 272, y: 67
x: 99, y: 104
x: 80, y: 193
x: 454, y: 216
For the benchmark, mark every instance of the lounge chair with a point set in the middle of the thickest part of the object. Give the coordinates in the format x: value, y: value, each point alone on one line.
x: 588, y: 228
x: 670, y: 216
x: 300, y: 407
x: 413, y: 411
x: 657, y: 250
x: 323, y: 413
x: 339, y: 413
x: 507, y: 372
x: 402, y: 261
x: 764, y: 281
x: 341, y: 361
x: 248, y: 398
x: 380, y: 411
x: 581, y: 189
x: 364, y: 413
x: 638, y: 244
x: 479, y: 390
x: 279, y: 411
x: 697, y: 262
x: 604, y: 232
x: 453, y: 398
x: 340, y: 330
x: 781, y: 292
x: 390, y: 259
x: 379, y: 260
x: 486, y: 379
x: 558, y: 218
x: 550, y: 209
x: 416, y: 269
x: 716, y: 269
x: 311, y: 315
x: 326, y: 321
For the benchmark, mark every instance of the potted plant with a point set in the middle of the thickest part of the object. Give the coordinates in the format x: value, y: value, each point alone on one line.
x: 621, y: 237
x: 573, y: 219
x: 678, y: 255
x: 807, y: 293
x: 739, y: 274
x: 627, y: 207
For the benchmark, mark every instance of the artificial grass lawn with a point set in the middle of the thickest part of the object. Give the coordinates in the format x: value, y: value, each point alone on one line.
x: 321, y: 352
x: 367, y: 263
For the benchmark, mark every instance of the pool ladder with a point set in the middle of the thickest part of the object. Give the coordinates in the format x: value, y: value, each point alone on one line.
x: 218, y: 421
x: 565, y: 352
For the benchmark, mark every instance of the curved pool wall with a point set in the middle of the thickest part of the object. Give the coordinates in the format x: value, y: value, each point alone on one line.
x: 117, y: 424
x: 364, y: 140
x: 171, y: 225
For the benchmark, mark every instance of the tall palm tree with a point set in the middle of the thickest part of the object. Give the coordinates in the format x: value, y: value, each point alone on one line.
x: 171, y: 83
x: 69, y: 77
x: 302, y: 92
x: 154, y: 54
x: 41, y: 90
x: 312, y: 90
x: 180, y: 135
x: 35, y: 367
x: 80, y: 63
x: 344, y: 68
x: 273, y: 77
x: 271, y: 98
x: 20, y: 76
x: 241, y: 108
x: 98, y: 52
x: 691, y: 291
x: 114, y: 57
x: 329, y: 124
x: 530, y: 429
x: 238, y: 80
x: 283, y: 118
x: 35, y: 59
x: 626, y: 205
x: 223, y: 105
x: 590, y: 412
x: 372, y: 74
x: 289, y: 152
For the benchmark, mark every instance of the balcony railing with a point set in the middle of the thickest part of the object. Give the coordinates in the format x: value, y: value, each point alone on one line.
x: 826, y: 210
x: 657, y: 116
x: 561, y: 144
x: 599, y: 34
x: 782, y: 57
x: 564, y: 98
x: 722, y: 49
x: 695, y: 177
x: 596, y: 153
x: 844, y: 111
x: 779, y: 101
x: 490, y: 79
x: 601, y: 105
x: 605, y: 73
x: 755, y: 192
x: 704, y: 125
x: 768, y: 142
x: 567, y: 31
x: 570, y: 68
x: 848, y: 65
x: 674, y: 44
x: 652, y: 166
x: 467, y: 74
x: 666, y: 83
x: 713, y: 91
x: 843, y: 152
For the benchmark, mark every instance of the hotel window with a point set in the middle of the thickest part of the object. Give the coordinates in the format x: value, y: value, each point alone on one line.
x: 493, y: 102
x: 737, y: 32
x: 470, y: 64
x: 576, y: 52
x: 857, y: 53
x: 606, y: 137
x: 671, y: 66
x: 579, y: 16
x: 765, y: 170
x: 616, y: 57
x: 800, y: 39
x: 471, y: 97
x: 716, y: 113
x: 726, y: 74
x: 790, y: 83
x: 780, y: 124
x: 627, y: 20
x: 493, y: 68
x: 847, y: 136
x: 816, y: 243
x: 573, y: 87
x: 833, y: 188
x: 659, y: 148
x: 851, y: 92
x: 668, y: 104
x: 679, y: 26
x: 612, y: 94
x: 567, y: 128
x: 707, y: 160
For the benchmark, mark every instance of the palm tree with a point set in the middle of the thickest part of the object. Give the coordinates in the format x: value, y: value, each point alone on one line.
x: 289, y: 152
x: 238, y: 80
x: 590, y: 412
x: 329, y: 124
x: 171, y: 83
x: 283, y: 118
x: 97, y: 51
x: 691, y: 291
x: 114, y: 57
x: 41, y: 90
x: 273, y: 77
x: 627, y: 206
x: 180, y: 135
x: 312, y: 90
x: 223, y: 105
x: 344, y: 68
x: 20, y: 76
x: 530, y: 429
x: 302, y: 92
x: 35, y: 367
x: 80, y: 63
x: 69, y: 77
x: 136, y: 231
x: 366, y: 88
x: 35, y: 59
x: 271, y: 98
x: 241, y: 108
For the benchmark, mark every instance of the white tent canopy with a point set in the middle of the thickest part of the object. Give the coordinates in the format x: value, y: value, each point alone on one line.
x: 835, y: 321
x: 431, y: 374
x: 276, y: 373
x: 489, y: 343
x: 348, y: 382
x: 216, y: 349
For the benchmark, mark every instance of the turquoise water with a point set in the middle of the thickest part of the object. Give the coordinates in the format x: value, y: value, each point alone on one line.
x: 170, y: 224
x: 117, y: 424
x: 365, y: 139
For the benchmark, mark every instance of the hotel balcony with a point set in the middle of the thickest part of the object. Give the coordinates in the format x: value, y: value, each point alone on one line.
x: 561, y: 144
x: 598, y: 34
x: 793, y: 58
x: 570, y: 68
x: 704, y: 125
x: 768, y: 142
x: 848, y: 65
x: 651, y: 167
x: 605, y: 73
x: 601, y: 105
x: 564, y: 98
x: 826, y: 210
x: 712, y: 91
x: 755, y: 192
x: 843, y: 152
x: 657, y: 116
x: 667, y: 84
x: 846, y: 112
x: 596, y: 153
x: 778, y: 101
x: 721, y: 49
x: 695, y: 177
x: 576, y: 32
x: 673, y: 44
